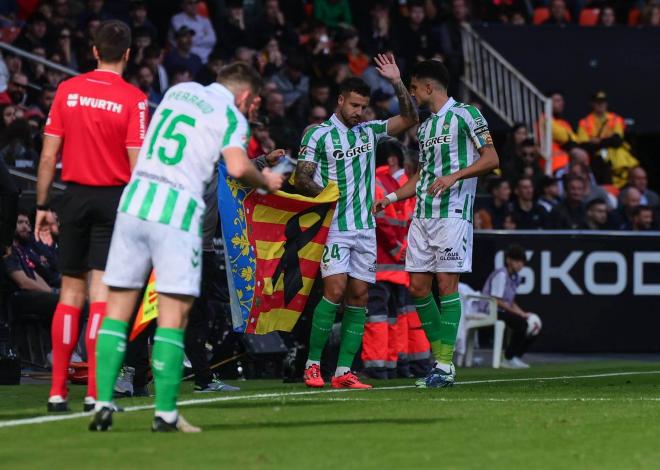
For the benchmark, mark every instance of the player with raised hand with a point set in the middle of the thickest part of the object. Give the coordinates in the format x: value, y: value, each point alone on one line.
x: 455, y: 147
x: 159, y: 225
x: 342, y: 150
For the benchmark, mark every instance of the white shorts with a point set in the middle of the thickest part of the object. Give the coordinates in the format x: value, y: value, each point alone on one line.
x: 439, y: 246
x: 138, y: 245
x: 352, y: 253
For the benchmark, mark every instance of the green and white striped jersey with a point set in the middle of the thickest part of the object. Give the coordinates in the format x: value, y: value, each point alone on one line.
x: 189, y: 130
x: 449, y: 140
x: 347, y: 157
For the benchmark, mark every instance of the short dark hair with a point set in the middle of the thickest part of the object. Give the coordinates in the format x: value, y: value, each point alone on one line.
x: 387, y: 148
x: 495, y: 184
x: 433, y: 70
x: 515, y: 252
x: 112, y: 40
x: 241, y: 73
x: 595, y: 202
x: 570, y: 178
x: 524, y: 178
x: 355, y: 85
x: 641, y: 208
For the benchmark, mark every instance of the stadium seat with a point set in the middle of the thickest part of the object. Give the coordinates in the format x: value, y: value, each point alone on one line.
x: 589, y: 16
x: 540, y: 15
x: 475, y: 320
x: 633, y: 17
x: 203, y: 9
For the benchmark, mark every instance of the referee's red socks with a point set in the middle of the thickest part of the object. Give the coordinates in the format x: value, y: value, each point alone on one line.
x: 96, y: 314
x: 64, y: 336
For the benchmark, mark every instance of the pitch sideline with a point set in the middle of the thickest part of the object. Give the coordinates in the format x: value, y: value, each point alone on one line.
x: 199, y: 401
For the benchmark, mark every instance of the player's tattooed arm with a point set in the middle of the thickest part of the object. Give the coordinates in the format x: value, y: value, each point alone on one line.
x: 304, y: 179
x: 407, y: 108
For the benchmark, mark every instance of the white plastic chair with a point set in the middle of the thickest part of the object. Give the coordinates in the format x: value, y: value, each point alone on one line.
x: 475, y: 320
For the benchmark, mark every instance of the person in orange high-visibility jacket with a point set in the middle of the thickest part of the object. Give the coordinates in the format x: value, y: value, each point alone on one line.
x: 563, y: 137
x: 604, y: 132
x: 393, y: 334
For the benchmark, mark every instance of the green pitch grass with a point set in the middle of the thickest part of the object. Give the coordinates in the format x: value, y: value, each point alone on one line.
x: 596, y: 422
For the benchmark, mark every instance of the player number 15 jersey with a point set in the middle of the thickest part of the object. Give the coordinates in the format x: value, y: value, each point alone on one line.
x: 189, y: 130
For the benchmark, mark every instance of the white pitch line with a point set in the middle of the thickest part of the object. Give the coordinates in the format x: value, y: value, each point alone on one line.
x: 199, y: 401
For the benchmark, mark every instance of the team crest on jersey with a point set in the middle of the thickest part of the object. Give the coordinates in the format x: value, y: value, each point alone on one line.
x: 352, y: 152
x: 441, y: 139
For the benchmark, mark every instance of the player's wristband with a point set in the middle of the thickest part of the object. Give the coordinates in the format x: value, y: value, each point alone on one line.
x: 43, y: 207
x: 392, y: 197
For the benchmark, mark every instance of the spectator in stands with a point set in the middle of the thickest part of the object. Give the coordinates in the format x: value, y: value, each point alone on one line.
x: 84, y: 43
x: 526, y: 213
x: 558, y: 13
x: 35, y: 280
x: 642, y: 218
x: 651, y: 15
x: 549, y: 197
x: 203, y: 38
x: 234, y: 31
x: 347, y: 44
x: 607, y: 16
x: 209, y: 72
x: 144, y: 80
x: 591, y: 191
x: 260, y: 141
x: 570, y: 213
x: 499, y: 206
x: 17, y: 146
x: 382, y: 87
x: 414, y: 35
x: 637, y: 179
x: 596, y: 214
x: 629, y: 203
x: 95, y: 10
x: 153, y: 58
x: 450, y: 42
x: 44, y: 102
x: 182, y: 55
x: 318, y: 96
x: 513, y: 145
x: 139, y: 18
x: 525, y: 164
x: 8, y: 112
x: 16, y: 92
x: 275, y: 24
x: 317, y: 115
x: 292, y: 82
x: 377, y: 36
x: 502, y: 284
x: 13, y: 62
x: 603, y: 132
x: 333, y: 13
x: 34, y: 33
x: 280, y: 124
x: 142, y: 39
x: 180, y: 75
x: 65, y: 48
x: 61, y: 17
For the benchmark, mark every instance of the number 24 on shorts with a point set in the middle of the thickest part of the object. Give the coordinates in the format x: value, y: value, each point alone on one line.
x: 333, y: 252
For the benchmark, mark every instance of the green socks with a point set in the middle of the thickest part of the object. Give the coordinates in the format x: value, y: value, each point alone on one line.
x: 167, y: 366
x: 441, y: 329
x: 352, y: 331
x: 110, y: 349
x: 322, y: 321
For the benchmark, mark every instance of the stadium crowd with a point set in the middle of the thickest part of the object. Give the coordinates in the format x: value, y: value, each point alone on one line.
x: 304, y: 49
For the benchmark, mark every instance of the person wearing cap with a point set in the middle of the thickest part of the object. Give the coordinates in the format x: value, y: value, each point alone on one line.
x: 182, y: 56
x: 204, y: 36
x: 602, y: 132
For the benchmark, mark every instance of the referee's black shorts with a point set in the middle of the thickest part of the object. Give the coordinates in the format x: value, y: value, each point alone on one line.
x: 87, y: 217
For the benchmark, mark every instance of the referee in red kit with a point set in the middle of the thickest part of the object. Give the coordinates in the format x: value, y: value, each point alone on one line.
x: 97, y: 122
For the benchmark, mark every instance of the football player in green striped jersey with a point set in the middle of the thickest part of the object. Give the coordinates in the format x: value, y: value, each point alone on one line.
x: 342, y: 150
x: 159, y: 225
x: 455, y: 148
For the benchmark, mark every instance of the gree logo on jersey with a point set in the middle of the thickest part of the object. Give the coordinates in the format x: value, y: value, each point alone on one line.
x: 352, y: 152
x: 74, y: 99
x: 441, y: 139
